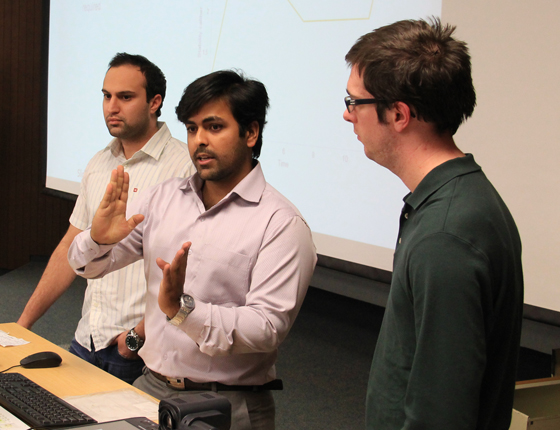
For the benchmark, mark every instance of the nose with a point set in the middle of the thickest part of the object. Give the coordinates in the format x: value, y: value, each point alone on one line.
x: 112, y: 105
x: 348, y: 116
x: 200, y: 137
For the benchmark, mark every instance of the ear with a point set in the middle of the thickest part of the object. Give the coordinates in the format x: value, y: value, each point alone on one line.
x: 155, y: 103
x: 401, y: 116
x: 252, y: 134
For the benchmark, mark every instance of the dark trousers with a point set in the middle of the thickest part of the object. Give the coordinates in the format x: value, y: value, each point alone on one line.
x: 110, y: 361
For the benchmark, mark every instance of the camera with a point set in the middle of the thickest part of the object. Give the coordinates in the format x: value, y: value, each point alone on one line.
x: 203, y: 411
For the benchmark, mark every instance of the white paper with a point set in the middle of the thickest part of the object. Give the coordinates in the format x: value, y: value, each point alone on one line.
x: 7, y: 340
x: 116, y: 405
x: 10, y: 422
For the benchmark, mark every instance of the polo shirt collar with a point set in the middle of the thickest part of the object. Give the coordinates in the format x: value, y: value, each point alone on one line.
x: 153, y: 147
x: 439, y: 176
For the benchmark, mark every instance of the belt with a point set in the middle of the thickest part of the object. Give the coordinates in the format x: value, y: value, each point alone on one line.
x: 185, y: 384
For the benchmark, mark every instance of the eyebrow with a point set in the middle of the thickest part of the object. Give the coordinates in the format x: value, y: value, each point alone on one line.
x: 207, y: 119
x: 119, y: 93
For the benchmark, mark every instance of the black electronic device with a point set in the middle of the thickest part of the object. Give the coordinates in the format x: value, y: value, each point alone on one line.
x: 36, y: 406
x: 41, y: 360
x: 204, y: 411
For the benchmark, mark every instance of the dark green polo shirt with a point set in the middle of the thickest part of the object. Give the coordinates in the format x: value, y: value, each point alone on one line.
x: 447, y: 352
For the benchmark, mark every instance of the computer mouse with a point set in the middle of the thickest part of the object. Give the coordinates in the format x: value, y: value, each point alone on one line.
x: 41, y: 360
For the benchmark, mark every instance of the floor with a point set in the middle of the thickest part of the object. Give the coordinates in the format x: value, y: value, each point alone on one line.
x: 324, y: 362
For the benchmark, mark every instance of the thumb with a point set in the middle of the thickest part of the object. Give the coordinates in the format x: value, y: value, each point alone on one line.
x: 135, y: 220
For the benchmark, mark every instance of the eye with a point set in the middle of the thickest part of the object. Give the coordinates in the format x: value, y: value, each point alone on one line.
x: 216, y: 127
x: 107, y: 96
x: 191, y: 129
x: 126, y: 97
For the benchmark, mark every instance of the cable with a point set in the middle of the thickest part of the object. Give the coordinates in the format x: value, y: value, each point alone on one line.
x: 9, y: 368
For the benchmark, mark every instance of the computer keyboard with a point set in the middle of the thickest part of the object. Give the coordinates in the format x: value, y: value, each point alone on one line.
x: 36, y: 406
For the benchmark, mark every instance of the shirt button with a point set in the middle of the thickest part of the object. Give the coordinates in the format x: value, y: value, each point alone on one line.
x: 164, y: 357
x: 400, y: 239
x: 406, y: 215
x: 190, y: 252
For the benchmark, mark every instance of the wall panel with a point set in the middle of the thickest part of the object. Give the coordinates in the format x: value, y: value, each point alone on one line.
x: 31, y: 222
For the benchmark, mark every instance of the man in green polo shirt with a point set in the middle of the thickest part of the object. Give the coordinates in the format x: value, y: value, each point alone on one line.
x: 447, y: 353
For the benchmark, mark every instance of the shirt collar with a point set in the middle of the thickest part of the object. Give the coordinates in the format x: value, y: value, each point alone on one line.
x: 439, y: 176
x: 249, y: 189
x: 153, y: 147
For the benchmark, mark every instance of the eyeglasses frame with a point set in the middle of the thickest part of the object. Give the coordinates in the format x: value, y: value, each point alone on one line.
x: 349, y: 101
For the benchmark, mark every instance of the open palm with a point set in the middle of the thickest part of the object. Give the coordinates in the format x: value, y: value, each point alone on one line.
x: 109, y: 224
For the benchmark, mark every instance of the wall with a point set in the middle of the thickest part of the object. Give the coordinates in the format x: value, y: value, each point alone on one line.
x: 514, y: 46
x: 515, y: 49
x: 31, y: 222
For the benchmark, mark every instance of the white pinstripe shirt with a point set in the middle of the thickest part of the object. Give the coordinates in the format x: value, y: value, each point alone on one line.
x: 117, y: 302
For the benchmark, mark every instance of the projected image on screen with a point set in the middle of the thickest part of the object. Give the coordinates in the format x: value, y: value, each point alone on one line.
x: 295, y: 47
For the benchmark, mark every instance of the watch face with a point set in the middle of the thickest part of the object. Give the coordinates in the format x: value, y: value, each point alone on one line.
x: 187, y: 302
x: 132, y: 342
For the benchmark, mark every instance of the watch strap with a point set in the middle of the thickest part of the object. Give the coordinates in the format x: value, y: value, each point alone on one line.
x: 187, y: 306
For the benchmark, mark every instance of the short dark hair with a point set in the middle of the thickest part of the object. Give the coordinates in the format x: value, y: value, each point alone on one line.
x: 246, y: 98
x: 421, y: 64
x: 155, y: 79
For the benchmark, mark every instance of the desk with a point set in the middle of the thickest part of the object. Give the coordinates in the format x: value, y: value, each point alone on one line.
x: 74, y: 376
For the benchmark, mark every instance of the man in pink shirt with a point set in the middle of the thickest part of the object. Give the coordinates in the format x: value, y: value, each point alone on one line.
x: 216, y: 322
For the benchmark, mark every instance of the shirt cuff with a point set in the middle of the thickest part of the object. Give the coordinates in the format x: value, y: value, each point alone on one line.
x: 84, y: 250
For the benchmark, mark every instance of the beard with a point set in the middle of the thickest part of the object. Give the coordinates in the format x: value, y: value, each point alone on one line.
x: 224, y: 167
x: 127, y: 131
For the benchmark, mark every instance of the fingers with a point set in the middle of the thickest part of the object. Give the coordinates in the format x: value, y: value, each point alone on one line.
x: 173, y: 281
x: 179, y: 264
x: 106, y: 200
x: 161, y: 263
x: 120, y: 179
x: 117, y: 188
x: 116, y: 183
x: 180, y: 256
x: 174, y: 273
x: 123, y: 195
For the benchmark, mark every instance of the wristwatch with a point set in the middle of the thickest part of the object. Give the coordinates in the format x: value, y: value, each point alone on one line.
x: 133, y: 341
x: 187, y: 306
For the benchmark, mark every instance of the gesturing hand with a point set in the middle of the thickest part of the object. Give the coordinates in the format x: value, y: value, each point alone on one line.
x: 171, y: 286
x: 109, y: 224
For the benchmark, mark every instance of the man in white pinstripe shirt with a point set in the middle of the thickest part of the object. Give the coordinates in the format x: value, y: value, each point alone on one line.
x: 111, y: 329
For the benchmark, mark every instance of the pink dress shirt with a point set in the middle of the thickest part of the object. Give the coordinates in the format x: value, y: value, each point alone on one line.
x: 248, y: 269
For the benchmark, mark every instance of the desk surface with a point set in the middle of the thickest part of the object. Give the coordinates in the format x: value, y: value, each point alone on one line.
x: 74, y: 376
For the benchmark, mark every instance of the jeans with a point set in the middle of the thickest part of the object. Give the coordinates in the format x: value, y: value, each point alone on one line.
x: 110, y: 361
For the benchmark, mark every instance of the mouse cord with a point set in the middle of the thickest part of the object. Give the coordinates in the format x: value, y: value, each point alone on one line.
x: 9, y: 368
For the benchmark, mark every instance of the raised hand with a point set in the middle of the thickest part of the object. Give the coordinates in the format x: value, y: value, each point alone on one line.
x: 109, y: 224
x: 171, y: 286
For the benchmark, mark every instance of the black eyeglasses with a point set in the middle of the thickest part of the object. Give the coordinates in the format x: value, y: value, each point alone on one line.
x: 350, y: 102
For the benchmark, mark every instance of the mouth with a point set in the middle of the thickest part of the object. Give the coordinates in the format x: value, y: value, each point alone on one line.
x: 113, y: 120
x: 204, y: 159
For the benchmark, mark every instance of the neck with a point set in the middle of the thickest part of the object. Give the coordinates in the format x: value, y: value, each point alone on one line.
x: 213, y: 191
x: 133, y: 145
x: 211, y: 195
x: 420, y: 156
